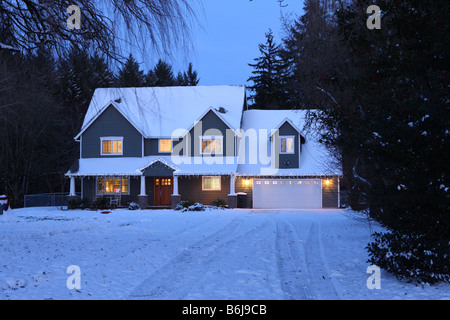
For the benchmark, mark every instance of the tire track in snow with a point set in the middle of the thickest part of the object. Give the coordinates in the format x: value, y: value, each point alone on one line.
x: 316, y: 265
x: 294, y: 277
x: 176, y: 277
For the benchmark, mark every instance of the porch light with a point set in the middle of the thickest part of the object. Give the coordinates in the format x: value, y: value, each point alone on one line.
x: 327, y: 182
x: 246, y: 182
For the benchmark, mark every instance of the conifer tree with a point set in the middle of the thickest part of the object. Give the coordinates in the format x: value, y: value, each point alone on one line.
x: 130, y: 75
x: 267, y: 89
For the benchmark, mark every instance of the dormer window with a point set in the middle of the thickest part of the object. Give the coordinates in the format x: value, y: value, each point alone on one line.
x: 165, y: 145
x: 111, y: 146
x: 211, y: 145
x: 287, y: 144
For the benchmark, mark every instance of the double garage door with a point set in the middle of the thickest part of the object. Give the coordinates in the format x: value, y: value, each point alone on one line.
x: 287, y: 193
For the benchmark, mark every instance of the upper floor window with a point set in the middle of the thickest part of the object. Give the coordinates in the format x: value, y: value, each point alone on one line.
x: 111, y: 146
x: 211, y: 145
x: 165, y: 145
x: 287, y: 144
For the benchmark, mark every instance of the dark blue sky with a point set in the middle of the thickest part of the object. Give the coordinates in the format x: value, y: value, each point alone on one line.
x: 228, y: 41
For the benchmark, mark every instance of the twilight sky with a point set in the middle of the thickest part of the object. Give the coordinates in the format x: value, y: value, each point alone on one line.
x: 232, y: 30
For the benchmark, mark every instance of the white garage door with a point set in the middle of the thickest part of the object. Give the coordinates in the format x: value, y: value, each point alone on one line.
x: 287, y: 193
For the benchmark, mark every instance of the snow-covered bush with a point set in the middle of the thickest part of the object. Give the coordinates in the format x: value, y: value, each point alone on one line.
x: 133, y: 206
x: 195, y: 207
x: 411, y: 256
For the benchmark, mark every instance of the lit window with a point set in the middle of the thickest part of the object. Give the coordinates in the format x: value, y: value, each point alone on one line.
x: 287, y: 144
x: 211, y: 144
x: 211, y: 183
x: 112, y: 185
x: 165, y: 145
x: 111, y: 145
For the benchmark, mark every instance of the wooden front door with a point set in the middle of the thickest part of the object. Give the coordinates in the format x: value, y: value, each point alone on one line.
x: 163, y: 190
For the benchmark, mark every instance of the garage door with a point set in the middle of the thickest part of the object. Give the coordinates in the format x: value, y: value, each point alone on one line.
x: 287, y: 193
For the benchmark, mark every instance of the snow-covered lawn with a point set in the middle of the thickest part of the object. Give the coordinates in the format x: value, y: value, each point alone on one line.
x: 214, y: 254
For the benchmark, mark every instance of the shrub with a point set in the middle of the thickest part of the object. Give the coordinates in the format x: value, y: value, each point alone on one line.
x: 418, y: 257
x: 195, y: 207
x: 219, y: 203
x: 183, y: 204
x: 100, y: 203
x: 73, y: 204
x: 133, y: 206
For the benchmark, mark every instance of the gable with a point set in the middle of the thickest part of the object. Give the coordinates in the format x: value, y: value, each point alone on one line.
x: 110, y: 123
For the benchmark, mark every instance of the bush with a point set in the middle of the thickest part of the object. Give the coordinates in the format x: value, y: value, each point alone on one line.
x: 133, y: 206
x: 412, y: 256
x: 219, y: 203
x: 183, y: 204
x: 73, y: 204
x: 100, y: 203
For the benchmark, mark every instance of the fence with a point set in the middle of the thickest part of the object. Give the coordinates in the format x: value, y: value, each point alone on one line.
x: 46, y: 199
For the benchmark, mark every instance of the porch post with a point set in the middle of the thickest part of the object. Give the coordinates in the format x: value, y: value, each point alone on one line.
x: 175, y: 197
x: 142, y: 197
x: 175, y: 185
x: 232, y: 197
x: 72, y: 186
x: 142, y: 186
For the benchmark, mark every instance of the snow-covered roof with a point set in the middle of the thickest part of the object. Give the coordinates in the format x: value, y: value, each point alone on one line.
x: 158, y: 111
x: 134, y: 166
x: 315, y: 159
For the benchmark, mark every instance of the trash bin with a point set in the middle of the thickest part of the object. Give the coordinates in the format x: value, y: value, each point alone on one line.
x: 241, y: 200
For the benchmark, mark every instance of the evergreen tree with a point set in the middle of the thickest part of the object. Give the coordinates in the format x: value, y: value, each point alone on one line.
x: 130, y: 75
x: 267, y: 88
x: 164, y: 74
x: 388, y: 109
x: 191, y: 76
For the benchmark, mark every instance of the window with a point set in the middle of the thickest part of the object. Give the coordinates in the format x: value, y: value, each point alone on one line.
x: 287, y: 144
x: 211, y: 144
x: 112, y: 185
x: 111, y: 145
x: 165, y: 145
x: 211, y: 183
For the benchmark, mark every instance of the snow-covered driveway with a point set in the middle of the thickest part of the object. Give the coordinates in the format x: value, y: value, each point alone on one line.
x: 215, y: 254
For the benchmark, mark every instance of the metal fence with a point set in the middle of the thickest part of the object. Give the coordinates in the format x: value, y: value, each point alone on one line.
x: 46, y: 199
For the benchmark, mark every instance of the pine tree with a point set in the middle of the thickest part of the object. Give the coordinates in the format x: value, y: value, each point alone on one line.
x: 191, y: 76
x: 267, y: 88
x: 164, y: 74
x: 130, y: 75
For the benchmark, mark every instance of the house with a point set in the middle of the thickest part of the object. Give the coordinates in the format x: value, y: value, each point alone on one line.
x: 160, y: 145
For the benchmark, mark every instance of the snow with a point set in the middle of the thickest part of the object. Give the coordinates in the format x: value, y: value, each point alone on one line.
x: 159, y: 111
x: 211, y: 254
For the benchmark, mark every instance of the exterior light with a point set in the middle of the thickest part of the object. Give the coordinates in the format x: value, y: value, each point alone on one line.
x: 246, y: 182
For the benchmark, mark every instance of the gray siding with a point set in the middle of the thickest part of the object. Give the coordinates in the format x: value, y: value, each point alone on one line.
x: 111, y: 123
x: 151, y: 147
x: 287, y: 161
x: 212, y: 123
x: 330, y: 193
x: 190, y: 188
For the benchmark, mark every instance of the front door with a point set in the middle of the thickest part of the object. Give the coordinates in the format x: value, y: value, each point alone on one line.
x: 163, y: 190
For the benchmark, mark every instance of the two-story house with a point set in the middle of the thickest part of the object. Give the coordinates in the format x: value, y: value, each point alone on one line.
x: 160, y: 145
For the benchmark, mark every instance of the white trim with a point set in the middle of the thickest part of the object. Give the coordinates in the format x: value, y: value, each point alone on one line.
x: 159, y: 145
x: 283, y: 122
x: 110, y: 103
x: 211, y: 137
x: 293, y: 144
x: 235, y: 130
x: 220, y: 183
x: 111, y: 193
x: 111, y: 139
